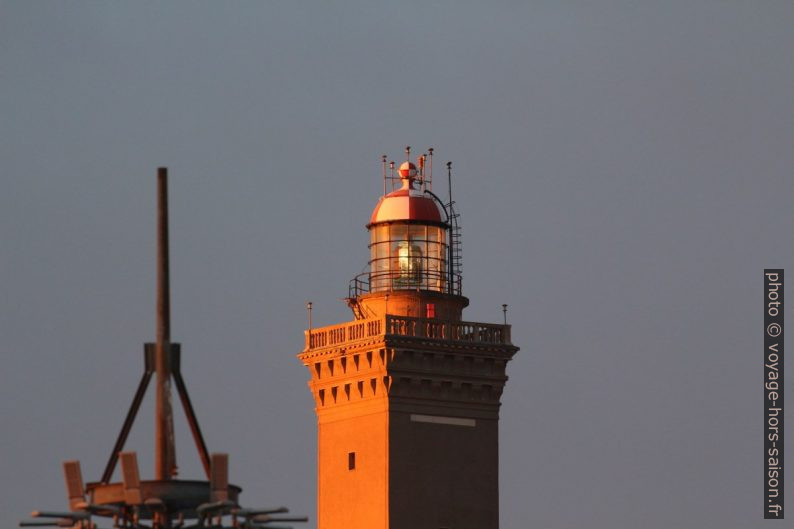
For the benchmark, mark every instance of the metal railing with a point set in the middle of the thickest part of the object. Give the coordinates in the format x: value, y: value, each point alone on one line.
x: 384, y: 281
x: 462, y: 331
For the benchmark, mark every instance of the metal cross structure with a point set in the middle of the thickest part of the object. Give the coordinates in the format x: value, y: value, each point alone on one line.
x: 164, y: 502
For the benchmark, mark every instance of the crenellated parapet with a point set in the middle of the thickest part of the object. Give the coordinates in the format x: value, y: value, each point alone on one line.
x: 443, y: 364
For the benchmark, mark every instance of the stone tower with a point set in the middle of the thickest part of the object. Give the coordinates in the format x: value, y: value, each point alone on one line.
x: 407, y: 394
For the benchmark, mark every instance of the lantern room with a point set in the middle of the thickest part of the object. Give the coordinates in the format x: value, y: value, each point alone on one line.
x: 408, y: 239
x: 414, y: 241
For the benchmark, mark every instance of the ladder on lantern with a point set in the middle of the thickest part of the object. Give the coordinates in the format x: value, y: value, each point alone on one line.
x: 456, y: 250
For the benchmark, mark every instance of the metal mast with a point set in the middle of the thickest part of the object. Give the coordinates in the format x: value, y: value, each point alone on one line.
x: 166, y: 501
x: 164, y: 455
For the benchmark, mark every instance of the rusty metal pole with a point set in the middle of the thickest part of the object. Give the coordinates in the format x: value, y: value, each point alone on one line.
x: 164, y: 426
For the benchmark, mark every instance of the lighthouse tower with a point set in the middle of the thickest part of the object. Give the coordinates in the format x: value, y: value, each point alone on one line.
x: 407, y: 394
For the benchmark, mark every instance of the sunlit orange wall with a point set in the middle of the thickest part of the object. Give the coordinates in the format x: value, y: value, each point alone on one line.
x: 350, y: 499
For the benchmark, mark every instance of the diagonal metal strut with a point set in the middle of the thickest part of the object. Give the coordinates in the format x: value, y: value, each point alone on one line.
x: 195, y: 429
x: 133, y: 411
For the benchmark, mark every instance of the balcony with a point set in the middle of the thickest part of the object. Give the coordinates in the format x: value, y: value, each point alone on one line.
x: 390, y: 325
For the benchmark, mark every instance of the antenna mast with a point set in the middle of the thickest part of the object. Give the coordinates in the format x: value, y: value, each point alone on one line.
x: 164, y: 501
x: 430, y: 167
x: 165, y: 456
x: 383, y: 159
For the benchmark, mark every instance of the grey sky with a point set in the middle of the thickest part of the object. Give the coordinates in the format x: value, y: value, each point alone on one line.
x: 623, y: 170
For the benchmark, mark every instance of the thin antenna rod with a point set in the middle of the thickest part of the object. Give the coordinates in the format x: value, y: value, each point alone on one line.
x: 407, y: 153
x: 504, y: 311
x: 391, y: 166
x: 421, y: 161
x: 383, y: 158
x: 451, y: 234
x: 165, y: 460
x: 163, y: 287
x: 430, y: 167
x: 449, y: 180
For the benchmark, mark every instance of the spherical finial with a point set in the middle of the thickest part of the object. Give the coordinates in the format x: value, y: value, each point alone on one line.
x: 407, y: 171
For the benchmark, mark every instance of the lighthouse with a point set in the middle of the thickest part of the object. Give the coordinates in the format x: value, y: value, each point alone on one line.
x: 407, y: 393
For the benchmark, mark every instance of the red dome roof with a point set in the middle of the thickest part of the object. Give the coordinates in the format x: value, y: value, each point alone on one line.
x: 406, y: 204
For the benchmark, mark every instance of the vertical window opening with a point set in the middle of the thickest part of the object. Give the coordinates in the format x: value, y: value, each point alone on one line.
x: 351, y: 461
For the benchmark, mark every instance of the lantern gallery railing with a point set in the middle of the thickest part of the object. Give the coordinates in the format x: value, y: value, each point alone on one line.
x: 384, y: 281
x: 462, y: 331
